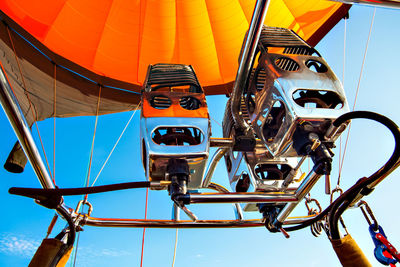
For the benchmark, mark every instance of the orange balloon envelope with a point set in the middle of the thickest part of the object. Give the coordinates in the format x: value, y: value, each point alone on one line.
x: 62, y: 53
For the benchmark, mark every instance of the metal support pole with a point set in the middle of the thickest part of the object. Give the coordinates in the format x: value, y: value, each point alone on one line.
x: 15, y: 115
x: 237, y: 198
x: 134, y: 223
x: 246, y: 60
x: 213, y: 164
x: 301, y: 191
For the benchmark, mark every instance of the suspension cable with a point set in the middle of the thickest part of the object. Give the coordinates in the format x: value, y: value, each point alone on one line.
x: 357, y: 91
x: 343, y: 75
x: 175, y: 246
x: 92, y: 147
x: 219, y: 124
x: 116, y: 143
x: 31, y: 107
x: 144, y: 229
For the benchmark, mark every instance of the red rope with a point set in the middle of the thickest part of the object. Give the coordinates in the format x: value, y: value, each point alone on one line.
x: 144, y: 229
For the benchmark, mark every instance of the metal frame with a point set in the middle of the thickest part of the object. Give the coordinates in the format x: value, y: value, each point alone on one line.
x: 138, y: 223
x: 15, y: 115
x: 21, y: 128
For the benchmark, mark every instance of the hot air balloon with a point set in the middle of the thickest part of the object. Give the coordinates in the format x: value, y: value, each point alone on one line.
x: 79, y: 59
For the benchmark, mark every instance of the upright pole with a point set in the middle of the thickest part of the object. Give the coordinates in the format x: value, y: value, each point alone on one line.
x: 16, y: 117
x: 246, y: 60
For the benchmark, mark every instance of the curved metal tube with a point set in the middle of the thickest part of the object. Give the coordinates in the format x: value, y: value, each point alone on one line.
x: 213, y: 164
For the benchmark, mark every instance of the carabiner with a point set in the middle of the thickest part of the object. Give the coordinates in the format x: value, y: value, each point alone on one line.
x: 84, y: 202
x: 382, y: 245
x: 368, y: 212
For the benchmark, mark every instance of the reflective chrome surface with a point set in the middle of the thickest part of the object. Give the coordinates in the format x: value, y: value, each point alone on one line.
x: 238, y: 198
x: 15, y: 116
x: 246, y: 59
x: 133, y: 223
x: 278, y: 86
x: 212, y: 165
x: 303, y: 189
x: 155, y: 156
x: 245, y: 164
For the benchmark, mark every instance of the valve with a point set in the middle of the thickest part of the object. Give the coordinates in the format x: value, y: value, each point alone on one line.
x: 178, y: 173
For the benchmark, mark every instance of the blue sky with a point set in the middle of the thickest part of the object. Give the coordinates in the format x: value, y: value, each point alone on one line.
x: 24, y: 223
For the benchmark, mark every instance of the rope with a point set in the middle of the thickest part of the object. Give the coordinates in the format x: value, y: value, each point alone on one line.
x: 116, y: 143
x: 144, y: 229
x: 31, y: 107
x: 176, y: 244
x: 343, y: 73
x: 93, y: 138
x: 76, y: 248
x: 357, y: 91
x: 216, y: 121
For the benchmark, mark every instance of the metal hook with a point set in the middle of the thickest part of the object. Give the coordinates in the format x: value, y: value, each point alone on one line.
x: 84, y: 202
x: 368, y: 212
x: 309, y: 200
x: 317, y: 227
x: 340, y: 191
x: 337, y: 189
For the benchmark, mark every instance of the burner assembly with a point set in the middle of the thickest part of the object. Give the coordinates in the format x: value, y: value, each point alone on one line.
x: 174, y: 124
x: 290, y: 101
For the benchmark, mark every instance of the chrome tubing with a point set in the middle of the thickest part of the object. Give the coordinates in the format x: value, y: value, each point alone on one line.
x: 228, y: 142
x: 221, y: 142
x: 138, y: 223
x: 213, y: 164
x: 246, y: 60
x: 301, y: 191
x: 236, y: 198
x: 176, y: 214
x: 238, y: 212
x: 132, y: 223
x: 15, y: 115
